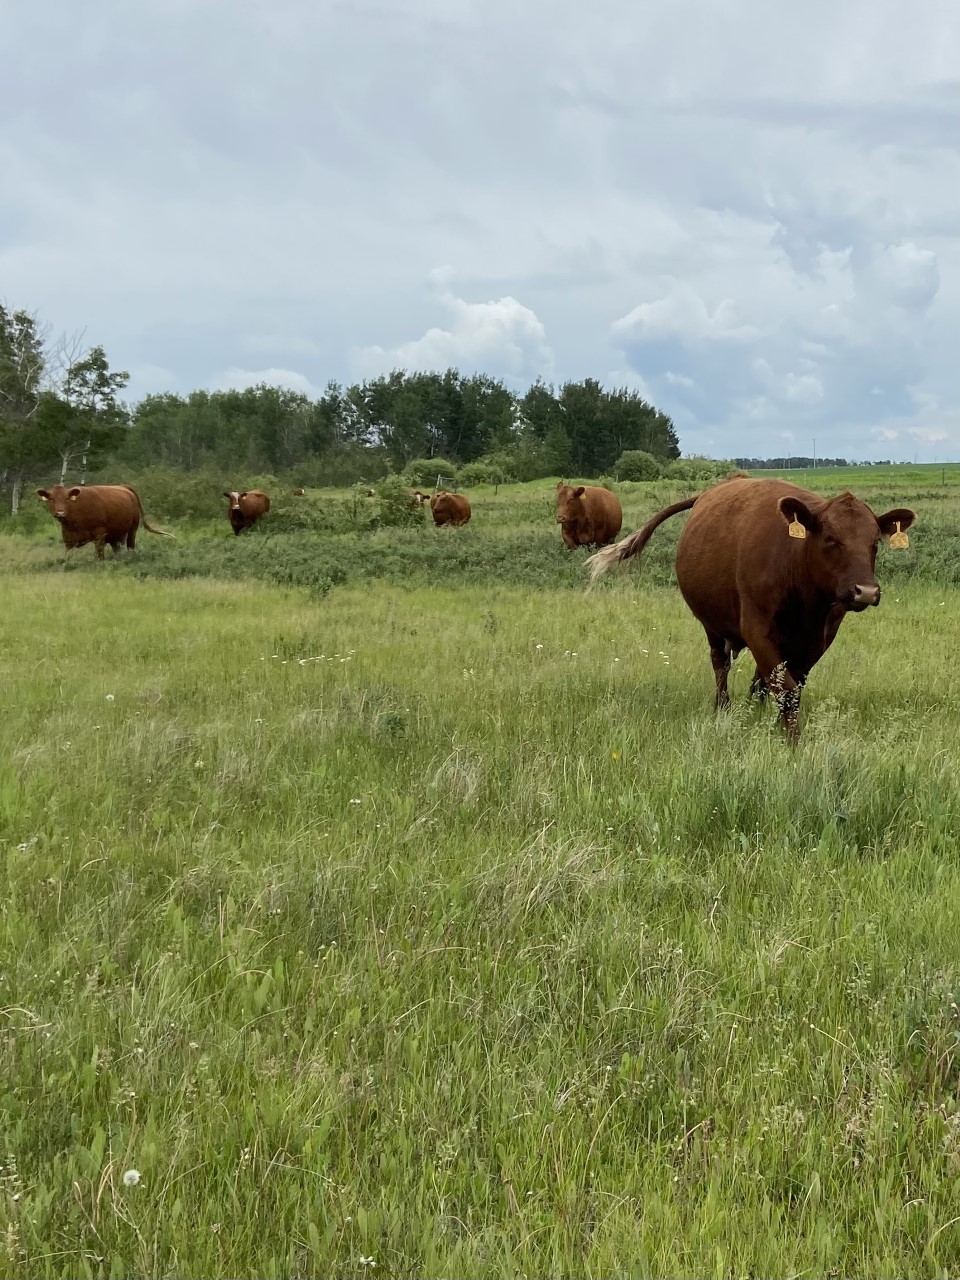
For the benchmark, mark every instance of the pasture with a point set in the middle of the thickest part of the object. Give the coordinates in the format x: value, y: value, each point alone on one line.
x: 395, y: 908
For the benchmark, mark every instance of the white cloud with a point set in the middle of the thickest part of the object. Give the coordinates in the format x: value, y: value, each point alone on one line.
x: 803, y: 388
x: 501, y: 337
x: 683, y: 314
x: 885, y: 433
x: 928, y: 435
x: 240, y: 379
x: 282, y: 344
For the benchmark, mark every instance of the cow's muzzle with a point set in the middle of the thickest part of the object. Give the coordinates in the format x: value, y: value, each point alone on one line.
x: 863, y: 597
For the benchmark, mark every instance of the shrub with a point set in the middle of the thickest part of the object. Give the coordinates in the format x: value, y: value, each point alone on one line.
x: 700, y: 470
x: 493, y: 468
x: 423, y: 471
x: 635, y: 464
x: 396, y: 506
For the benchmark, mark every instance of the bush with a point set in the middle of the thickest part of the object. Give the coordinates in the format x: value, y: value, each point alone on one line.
x: 423, y: 471
x: 493, y: 468
x: 700, y: 470
x: 635, y: 464
x: 396, y: 505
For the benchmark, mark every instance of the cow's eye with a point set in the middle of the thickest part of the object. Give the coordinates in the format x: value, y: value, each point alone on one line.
x: 831, y: 542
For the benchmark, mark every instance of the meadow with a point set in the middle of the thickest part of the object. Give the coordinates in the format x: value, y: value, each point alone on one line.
x: 394, y: 908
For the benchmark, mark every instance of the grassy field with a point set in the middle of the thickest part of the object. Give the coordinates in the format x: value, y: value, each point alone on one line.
x: 421, y: 919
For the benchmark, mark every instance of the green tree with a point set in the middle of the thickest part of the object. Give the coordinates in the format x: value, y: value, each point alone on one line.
x: 23, y: 362
x: 93, y: 421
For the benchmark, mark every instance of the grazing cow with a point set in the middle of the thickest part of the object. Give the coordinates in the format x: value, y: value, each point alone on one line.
x: 771, y: 568
x: 298, y: 493
x: 98, y: 513
x: 246, y: 508
x: 587, y: 515
x: 370, y: 493
x: 447, y: 508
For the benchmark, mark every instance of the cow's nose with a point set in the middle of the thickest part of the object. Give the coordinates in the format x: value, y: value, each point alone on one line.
x: 866, y: 595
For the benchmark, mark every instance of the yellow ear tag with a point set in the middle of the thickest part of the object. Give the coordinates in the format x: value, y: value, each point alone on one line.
x: 796, y: 529
x: 899, y: 540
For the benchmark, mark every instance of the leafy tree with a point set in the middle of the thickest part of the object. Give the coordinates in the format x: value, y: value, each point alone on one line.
x: 23, y: 360
x: 557, y: 450
x: 424, y: 471
x: 90, y: 424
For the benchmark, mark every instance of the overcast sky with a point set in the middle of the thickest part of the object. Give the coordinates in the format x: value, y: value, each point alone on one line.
x: 748, y: 209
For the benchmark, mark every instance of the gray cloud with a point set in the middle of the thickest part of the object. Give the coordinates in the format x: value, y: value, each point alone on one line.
x: 750, y: 211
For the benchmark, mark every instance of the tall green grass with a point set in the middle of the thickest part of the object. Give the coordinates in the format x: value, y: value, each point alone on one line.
x: 444, y: 930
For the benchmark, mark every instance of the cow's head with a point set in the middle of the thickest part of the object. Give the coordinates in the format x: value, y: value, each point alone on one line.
x: 234, y: 498
x: 420, y: 498
x: 58, y: 499
x: 840, y: 540
x: 569, y: 506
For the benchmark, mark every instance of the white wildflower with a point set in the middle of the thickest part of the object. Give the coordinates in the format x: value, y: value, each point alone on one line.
x: 131, y: 1177
x: 110, y: 697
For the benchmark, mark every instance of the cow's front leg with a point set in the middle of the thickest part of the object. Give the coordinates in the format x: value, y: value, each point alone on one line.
x: 773, y: 671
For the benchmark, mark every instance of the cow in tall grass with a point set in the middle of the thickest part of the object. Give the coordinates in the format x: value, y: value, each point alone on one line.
x: 98, y: 513
x: 446, y: 508
x: 588, y: 515
x: 246, y: 508
x: 769, y: 567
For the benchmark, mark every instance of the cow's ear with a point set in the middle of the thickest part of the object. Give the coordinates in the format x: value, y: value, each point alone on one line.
x: 796, y: 513
x: 579, y: 491
x: 901, y: 516
x: 227, y: 493
x: 43, y: 495
x: 74, y: 493
x: 242, y: 495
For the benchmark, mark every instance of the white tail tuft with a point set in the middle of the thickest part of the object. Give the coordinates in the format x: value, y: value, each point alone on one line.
x: 601, y: 561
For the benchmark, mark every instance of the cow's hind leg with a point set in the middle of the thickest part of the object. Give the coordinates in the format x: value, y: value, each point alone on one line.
x: 720, y: 659
x: 131, y: 539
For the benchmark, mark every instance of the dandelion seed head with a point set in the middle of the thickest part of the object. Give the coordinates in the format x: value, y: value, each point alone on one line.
x: 131, y: 1177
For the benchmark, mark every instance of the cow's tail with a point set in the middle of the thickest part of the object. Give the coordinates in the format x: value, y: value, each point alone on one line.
x: 601, y: 561
x: 143, y: 516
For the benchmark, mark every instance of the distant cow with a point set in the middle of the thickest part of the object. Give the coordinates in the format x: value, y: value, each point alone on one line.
x: 447, y: 508
x: 246, y: 508
x: 298, y: 493
x: 370, y: 493
x: 98, y: 513
x: 587, y: 515
x: 771, y: 568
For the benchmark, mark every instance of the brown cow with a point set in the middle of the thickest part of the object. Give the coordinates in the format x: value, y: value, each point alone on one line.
x: 298, y: 493
x: 587, y: 515
x: 447, y: 508
x: 97, y: 513
x: 771, y: 568
x: 246, y: 508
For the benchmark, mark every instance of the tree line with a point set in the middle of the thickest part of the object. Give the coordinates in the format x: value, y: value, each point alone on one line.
x: 62, y: 415
x: 800, y: 461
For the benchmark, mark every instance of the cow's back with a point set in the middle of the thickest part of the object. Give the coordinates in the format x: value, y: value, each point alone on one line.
x: 109, y: 508
x: 603, y: 512
x: 450, y: 508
